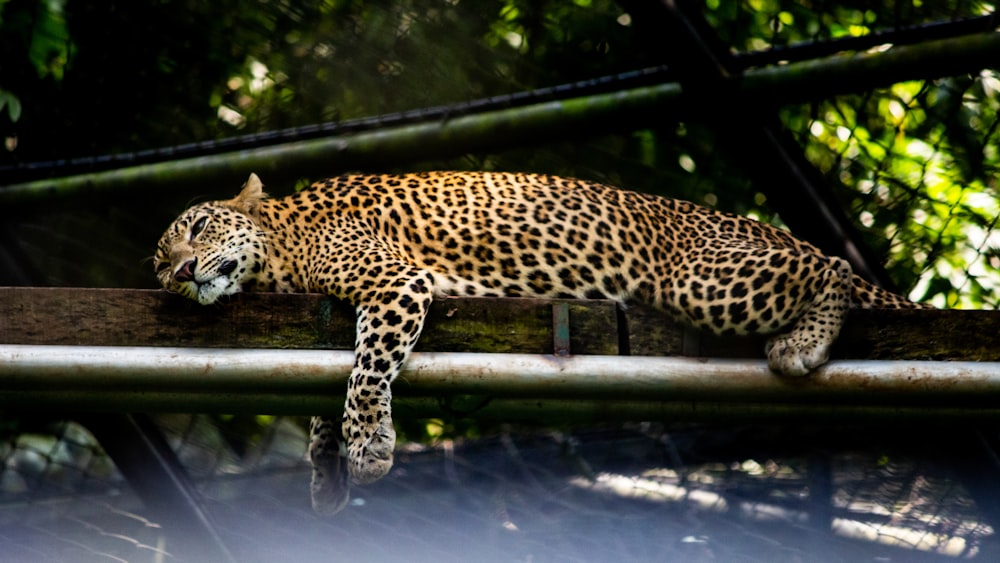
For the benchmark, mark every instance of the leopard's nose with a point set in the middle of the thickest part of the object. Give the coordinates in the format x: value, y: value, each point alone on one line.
x: 186, y: 272
x: 227, y: 267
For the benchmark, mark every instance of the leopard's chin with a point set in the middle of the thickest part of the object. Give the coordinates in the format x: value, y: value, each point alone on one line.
x: 210, y: 291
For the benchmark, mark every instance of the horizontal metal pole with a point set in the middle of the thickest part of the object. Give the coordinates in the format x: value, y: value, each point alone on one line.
x: 107, y: 378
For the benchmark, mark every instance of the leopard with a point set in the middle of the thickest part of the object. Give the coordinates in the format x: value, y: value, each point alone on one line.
x: 389, y: 244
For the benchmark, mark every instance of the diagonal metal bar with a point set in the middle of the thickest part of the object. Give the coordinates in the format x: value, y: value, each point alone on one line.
x: 794, y: 188
x: 153, y: 471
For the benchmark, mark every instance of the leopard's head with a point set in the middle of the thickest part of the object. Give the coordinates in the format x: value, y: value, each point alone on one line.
x: 215, y: 248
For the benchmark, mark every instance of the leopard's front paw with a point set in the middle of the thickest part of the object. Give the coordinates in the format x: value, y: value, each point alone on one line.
x: 787, y: 356
x: 371, y: 452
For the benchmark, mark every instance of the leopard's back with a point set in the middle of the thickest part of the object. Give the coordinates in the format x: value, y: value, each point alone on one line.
x: 515, y: 235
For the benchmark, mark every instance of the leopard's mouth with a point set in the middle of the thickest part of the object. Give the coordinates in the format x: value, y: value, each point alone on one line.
x: 212, y: 290
x: 194, y: 285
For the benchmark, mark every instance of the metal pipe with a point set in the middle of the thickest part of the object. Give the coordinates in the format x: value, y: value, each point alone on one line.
x: 121, y: 378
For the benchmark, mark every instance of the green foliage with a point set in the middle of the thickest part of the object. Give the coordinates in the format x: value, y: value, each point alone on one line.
x: 761, y: 24
x: 914, y: 164
x: 12, y: 103
x: 41, y: 26
x: 50, y: 43
x: 919, y: 173
x: 359, y: 59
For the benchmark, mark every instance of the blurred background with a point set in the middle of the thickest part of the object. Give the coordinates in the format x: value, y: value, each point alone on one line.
x: 902, y: 170
x: 913, y: 164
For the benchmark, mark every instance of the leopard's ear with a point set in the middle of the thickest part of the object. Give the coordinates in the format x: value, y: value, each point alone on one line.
x: 250, y: 197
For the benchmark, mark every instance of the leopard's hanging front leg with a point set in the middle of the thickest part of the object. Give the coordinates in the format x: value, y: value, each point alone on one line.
x: 392, y: 298
x: 390, y: 318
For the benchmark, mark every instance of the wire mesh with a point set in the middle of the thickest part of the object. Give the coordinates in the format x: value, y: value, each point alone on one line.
x: 919, y: 181
x: 637, y: 492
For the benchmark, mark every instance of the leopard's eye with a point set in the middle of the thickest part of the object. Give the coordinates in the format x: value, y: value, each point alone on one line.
x: 198, y: 227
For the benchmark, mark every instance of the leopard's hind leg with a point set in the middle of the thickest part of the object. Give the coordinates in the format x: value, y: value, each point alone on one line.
x: 807, y: 343
x: 799, y: 296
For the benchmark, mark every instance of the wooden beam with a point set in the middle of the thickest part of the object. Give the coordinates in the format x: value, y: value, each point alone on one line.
x: 136, y: 317
x: 83, y: 324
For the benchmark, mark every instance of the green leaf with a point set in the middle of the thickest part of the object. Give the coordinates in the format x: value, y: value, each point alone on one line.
x: 49, y: 49
x: 13, y: 104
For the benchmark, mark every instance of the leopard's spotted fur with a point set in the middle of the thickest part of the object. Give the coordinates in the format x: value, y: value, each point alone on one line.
x: 389, y: 244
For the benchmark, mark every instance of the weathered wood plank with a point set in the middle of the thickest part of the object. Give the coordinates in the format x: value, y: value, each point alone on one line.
x: 127, y: 317
x: 517, y: 326
x: 921, y: 335
x: 887, y: 334
x: 131, y: 317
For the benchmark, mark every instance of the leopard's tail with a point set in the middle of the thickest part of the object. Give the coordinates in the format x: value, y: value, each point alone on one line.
x: 867, y: 295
